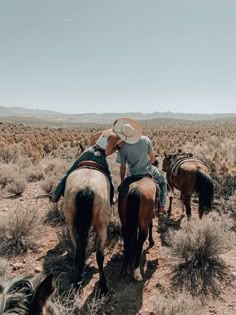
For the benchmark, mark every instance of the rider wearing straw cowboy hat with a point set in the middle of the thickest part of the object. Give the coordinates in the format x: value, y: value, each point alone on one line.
x: 137, y: 153
x: 103, y: 144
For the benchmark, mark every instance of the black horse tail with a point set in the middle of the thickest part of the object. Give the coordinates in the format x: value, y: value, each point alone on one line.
x: 204, y: 189
x: 132, y: 217
x: 83, y: 218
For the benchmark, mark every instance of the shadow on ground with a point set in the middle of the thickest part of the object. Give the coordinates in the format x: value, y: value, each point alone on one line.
x: 128, y: 294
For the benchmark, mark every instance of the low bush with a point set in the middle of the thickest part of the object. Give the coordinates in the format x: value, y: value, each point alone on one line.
x: 17, y: 187
x: 55, y: 215
x: 8, y: 173
x: 49, y: 184
x: 34, y: 174
x: 182, y: 304
x: 3, y: 266
x: 70, y: 303
x: 19, y: 231
x: 197, y: 246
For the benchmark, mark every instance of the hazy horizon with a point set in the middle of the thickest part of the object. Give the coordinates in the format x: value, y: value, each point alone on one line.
x: 121, y: 112
x: 122, y: 56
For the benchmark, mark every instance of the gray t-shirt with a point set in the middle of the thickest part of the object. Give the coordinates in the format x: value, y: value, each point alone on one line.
x: 136, y: 156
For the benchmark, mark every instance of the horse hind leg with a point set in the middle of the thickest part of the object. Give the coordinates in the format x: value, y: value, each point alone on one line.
x: 186, y: 201
x: 101, y: 241
x: 150, y: 237
x: 124, y: 269
x: 141, y: 239
x: 171, y: 196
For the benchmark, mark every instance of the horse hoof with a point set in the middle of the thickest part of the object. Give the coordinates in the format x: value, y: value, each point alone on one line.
x: 137, y: 274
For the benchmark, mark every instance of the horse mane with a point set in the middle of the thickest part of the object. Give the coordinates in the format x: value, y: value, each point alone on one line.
x: 17, y: 293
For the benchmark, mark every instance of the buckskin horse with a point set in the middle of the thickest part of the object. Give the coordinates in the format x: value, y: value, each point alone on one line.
x: 189, y: 175
x: 136, y: 207
x: 86, y: 204
x: 27, y: 295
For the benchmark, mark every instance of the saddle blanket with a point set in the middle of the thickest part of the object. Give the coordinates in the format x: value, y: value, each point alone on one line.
x: 175, y: 167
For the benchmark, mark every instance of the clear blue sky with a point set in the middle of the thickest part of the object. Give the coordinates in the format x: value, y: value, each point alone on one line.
x: 118, y: 55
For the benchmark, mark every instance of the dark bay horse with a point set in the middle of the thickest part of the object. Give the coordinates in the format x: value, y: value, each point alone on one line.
x: 86, y: 204
x: 27, y: 295
x: 192, y: 176
x: 136, y: 210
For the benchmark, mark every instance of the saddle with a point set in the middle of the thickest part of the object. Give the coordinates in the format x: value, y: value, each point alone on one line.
x: 177, y: 161
x: 124, y: 186
x: 92, y: 165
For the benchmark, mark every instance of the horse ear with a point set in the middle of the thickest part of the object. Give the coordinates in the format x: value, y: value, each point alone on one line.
x: 42, y: 294
x: 165, y: 154
x: 179, y: 150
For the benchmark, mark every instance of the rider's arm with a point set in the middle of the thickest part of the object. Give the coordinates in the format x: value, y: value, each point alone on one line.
x: 111, y: 143
x: 152, y: 157
x: 122, y: 172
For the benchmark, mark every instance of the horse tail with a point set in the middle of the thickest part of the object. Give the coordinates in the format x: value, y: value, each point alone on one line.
x: 83, y: 218
x: 204, y: 189
x: 132, y: 220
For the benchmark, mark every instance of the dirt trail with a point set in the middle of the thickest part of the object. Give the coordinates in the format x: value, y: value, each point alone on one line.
x: 130, y: 297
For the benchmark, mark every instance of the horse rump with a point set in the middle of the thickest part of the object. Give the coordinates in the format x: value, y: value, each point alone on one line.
x: 204, y: 189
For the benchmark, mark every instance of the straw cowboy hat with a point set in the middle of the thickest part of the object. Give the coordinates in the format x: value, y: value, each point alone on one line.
x: 128, y: 130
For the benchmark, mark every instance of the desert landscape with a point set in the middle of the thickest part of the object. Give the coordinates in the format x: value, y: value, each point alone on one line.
x: 191, y: 269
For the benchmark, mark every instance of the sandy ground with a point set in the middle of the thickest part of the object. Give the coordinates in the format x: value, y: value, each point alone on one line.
x: 129, y: 297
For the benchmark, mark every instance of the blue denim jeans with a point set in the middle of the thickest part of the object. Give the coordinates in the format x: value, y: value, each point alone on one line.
x: 90, y: 154
x: 161, y: 179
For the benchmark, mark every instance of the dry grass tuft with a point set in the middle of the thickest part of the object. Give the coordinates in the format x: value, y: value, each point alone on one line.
x: 114, y: 233
x: 19, y: 232
x: 17, y: 187
x: 9, y: 154
x: 8, y: 173
x: 183, y: 304
x: 49, y: 184
x: 55, y: 215
x: 34, y: 174
x: 228, y: 207
x: 54, y: 167
x: 4, y: 263
x: 70, y: 303
x: 197, y: 246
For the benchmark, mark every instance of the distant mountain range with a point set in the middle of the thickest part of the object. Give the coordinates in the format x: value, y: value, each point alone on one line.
x: 21, y: 112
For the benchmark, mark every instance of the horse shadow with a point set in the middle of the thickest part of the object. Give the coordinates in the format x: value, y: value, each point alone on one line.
x: 60, y: 262
x: 127, y: 295
x: 167, y: 225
